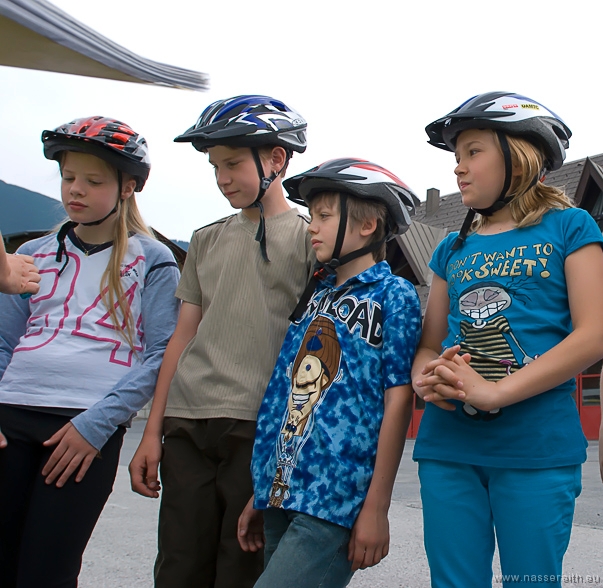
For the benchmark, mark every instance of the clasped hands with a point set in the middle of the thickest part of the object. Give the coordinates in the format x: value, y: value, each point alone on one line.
x: 451, y: 377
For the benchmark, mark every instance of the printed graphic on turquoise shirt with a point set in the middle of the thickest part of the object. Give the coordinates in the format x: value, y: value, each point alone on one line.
x: 486, y: 333
x: 315, y: 368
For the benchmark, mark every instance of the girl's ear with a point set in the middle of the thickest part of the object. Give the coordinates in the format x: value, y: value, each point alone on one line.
x: 127, y: 188
x: 369, y: 226
x: 516, y: 171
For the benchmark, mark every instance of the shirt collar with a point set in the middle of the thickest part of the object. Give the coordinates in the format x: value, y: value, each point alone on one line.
x: 369, y: 276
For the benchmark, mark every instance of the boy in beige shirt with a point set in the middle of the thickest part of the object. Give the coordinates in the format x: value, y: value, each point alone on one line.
x: 243, y: 276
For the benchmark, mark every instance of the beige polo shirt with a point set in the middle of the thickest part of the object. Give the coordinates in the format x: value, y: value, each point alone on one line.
x: 246, y: 302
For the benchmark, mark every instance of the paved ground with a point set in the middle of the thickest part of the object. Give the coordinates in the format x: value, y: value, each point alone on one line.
x: 122, y: 549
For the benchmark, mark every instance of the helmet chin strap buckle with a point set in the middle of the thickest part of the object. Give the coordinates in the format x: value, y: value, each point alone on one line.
x: 265, y: 183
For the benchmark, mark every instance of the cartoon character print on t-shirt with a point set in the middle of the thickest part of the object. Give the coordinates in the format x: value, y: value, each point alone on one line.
x: 488, y: 336
x: 315, y: 368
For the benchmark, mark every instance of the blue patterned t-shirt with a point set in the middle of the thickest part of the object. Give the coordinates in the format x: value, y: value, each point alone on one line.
x: 319, y: 422
x: 509, y: 305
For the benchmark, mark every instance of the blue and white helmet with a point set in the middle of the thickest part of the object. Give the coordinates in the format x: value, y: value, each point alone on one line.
x: 510, y: 113
x: 247, y: 121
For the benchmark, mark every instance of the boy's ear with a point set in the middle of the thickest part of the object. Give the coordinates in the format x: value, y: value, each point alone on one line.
x: 127, y: 188
x: 369, y: 226
x: 278, y: 158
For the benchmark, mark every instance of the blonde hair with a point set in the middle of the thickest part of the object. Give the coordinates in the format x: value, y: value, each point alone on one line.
x: 359, y: 211
x: 129, y: 220
x: 529, y: 202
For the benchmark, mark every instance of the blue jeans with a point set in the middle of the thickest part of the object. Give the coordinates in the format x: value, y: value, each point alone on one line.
x: 530, y: 510
x: 303, y: 551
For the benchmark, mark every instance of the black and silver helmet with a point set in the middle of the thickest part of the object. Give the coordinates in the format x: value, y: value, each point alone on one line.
x: 362, y: 179
x: 511, y: 113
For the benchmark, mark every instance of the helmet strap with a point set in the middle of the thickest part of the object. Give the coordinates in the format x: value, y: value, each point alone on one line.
x: 65, y: 228
x: 265, y: 183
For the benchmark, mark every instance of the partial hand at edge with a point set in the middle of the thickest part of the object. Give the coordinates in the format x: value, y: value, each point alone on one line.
x: 21, y: 276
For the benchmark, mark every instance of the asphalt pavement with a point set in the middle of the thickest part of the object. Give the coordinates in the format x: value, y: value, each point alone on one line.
x: 122, y: 549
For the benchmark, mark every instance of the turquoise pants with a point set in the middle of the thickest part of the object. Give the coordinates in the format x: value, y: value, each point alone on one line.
x: 530, y: 511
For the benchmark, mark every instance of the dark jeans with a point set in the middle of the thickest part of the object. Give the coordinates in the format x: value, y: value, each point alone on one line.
x: 206, y: 484
x: 44, y: 529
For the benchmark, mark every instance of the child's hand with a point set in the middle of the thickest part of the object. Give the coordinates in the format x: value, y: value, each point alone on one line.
x: 369, y: 540
x: 72, y: 451
x: 438, y: 377
x: 3, y: 441
x: 462, y: 382
x: 250, y: 531
x: 144, y: 474
x: 20, y: 275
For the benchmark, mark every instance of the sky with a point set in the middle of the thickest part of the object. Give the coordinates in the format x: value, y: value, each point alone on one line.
x: 368, y: 76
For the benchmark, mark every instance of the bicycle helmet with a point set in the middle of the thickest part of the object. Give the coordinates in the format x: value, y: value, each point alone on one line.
x: 247, y: 121
x: 506, y: 113
x: 106, y: 138
x: 361, y: 179
x: 511, y: 113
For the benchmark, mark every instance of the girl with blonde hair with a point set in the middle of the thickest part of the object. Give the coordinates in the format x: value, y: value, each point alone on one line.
x: 514, y: 313
x: 80, y: 357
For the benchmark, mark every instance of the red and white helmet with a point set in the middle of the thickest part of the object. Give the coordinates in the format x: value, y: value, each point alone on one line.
x: 362, y: 179
x: 109, y: 139
x: 510, y: 113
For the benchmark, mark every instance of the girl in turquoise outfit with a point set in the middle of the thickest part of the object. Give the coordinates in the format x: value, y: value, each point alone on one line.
x: 513, y: 314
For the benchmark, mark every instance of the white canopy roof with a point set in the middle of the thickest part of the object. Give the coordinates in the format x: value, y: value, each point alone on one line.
x: 35, y: 34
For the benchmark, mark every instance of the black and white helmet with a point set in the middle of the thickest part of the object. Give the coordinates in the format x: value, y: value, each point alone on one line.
x: 510, y: 113
x: 247, y: 121
x: 361, y: 179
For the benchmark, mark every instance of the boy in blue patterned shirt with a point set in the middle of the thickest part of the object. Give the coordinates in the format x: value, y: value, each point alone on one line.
x: 332, y: 425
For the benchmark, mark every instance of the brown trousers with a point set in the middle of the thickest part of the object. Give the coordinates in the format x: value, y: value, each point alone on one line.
x: 206, y: 483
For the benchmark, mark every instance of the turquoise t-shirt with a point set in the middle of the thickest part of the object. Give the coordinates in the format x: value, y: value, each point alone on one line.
x: 509, y: 305
x: 319, y: 422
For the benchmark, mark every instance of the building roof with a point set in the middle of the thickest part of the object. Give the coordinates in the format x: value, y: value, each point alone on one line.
x: 35, y: 34
x: 24, y: 212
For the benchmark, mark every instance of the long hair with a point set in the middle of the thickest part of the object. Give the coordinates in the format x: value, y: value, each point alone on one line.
x: 129, y: 220
x: 530, y: 202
